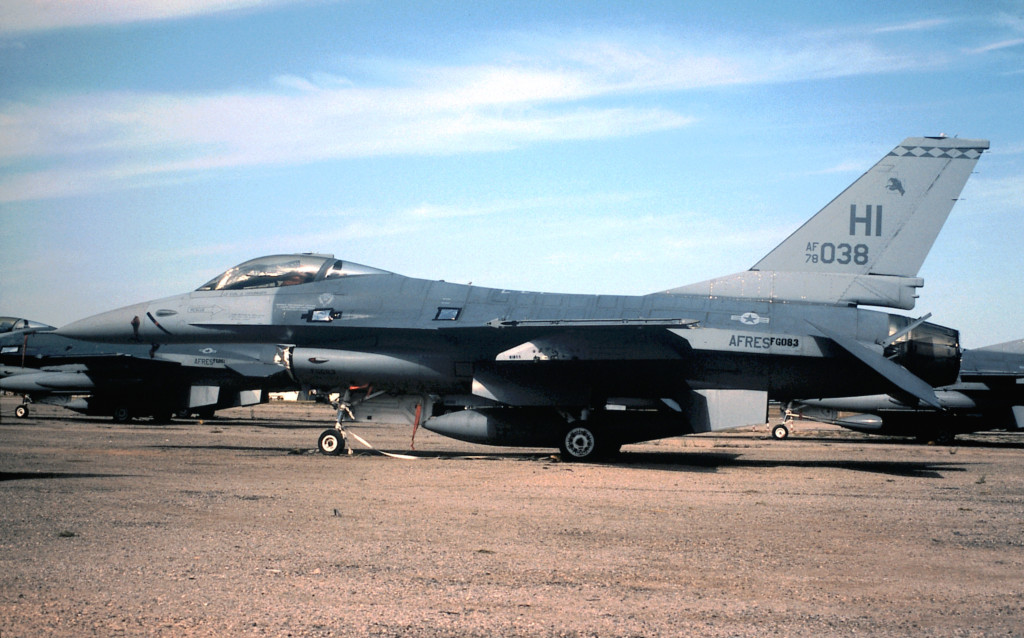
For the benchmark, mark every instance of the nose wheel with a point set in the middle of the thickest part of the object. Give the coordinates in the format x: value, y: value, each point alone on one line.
x: 780, y: 431
x: 332, y: 442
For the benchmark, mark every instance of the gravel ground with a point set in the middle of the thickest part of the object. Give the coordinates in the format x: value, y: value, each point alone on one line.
x: 235, y: 527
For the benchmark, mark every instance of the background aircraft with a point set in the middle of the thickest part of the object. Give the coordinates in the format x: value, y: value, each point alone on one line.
x: 133, y: 380
x: 17, y: 324
x: 588, y: 373
x: 988, y: 395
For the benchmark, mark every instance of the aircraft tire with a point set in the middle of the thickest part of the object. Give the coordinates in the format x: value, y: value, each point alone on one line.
x: 780, y: 432
x: 21, y: 411
x: 331, y: 442
x: 121, y: 414
x: 582, y: 443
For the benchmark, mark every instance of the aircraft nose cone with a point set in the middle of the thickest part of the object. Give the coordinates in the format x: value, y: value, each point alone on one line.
x: 118, y: 326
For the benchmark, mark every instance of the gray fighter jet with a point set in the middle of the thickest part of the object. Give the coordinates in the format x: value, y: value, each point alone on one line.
x: 589, y: 373
x: 132, y: 380
x: 989, y: 395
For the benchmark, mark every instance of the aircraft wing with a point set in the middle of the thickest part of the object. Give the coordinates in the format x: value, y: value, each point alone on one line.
x: 560, y: 362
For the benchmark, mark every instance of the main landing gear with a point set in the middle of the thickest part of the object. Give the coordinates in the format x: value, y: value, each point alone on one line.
x: 582, y: 442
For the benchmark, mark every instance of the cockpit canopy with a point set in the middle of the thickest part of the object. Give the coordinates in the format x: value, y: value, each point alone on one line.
x: 14, y: 324
x: 286, y: 270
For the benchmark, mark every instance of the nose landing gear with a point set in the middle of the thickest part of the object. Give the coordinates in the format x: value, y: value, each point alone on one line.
x: 332, y: 442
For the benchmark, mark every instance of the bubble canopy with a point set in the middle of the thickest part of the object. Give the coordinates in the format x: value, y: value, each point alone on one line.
x: 286, y: 270
x: 14, y: 324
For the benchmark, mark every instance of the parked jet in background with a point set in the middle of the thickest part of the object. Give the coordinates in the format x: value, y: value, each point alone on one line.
x: 16, y: 324
x: 588, y: 373
x: 133, y: 380
x: 989, y: 395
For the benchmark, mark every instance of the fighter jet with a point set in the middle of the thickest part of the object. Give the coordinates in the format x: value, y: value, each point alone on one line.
x: 589, y: 373
x: 17, y: 324
x: 988, y: 395
x: 133, y: 380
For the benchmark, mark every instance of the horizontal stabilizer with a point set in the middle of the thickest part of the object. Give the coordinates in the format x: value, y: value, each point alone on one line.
x: 1008, y: 347
x: 899, y: 376
x: 1002, y: 360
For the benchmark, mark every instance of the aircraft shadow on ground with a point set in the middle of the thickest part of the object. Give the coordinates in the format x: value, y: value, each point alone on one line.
x: 257, y: 449
x: 899, y: 440
x: 977, y: 439
x: 178, y: 424
x: 378, y: 452
x: 695, y: 462
x: 685, y: 461
x: 26, y: 476
x: 700, y: 462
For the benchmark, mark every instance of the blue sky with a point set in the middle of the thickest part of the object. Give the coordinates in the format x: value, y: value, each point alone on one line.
x: 570, y: 147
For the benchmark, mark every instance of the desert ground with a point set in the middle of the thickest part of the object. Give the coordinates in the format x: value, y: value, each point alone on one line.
x: 236, y: 527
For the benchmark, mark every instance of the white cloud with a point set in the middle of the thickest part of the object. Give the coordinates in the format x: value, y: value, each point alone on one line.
x: 917, y: 25
x: 566, y: 89
x: 99, y: 141
x: 39, y: 15
x: 996, y: 46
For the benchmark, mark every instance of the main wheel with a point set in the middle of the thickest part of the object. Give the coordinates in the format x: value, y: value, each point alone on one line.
x: 121, y: 414
x: 780, y: 431
x: 331, y: 442
x: 21, y: 411
x: 580, y: 443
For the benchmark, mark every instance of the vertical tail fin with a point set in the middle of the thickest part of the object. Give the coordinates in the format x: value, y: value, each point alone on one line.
x: 886, y: 222
x: 867, y: 245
